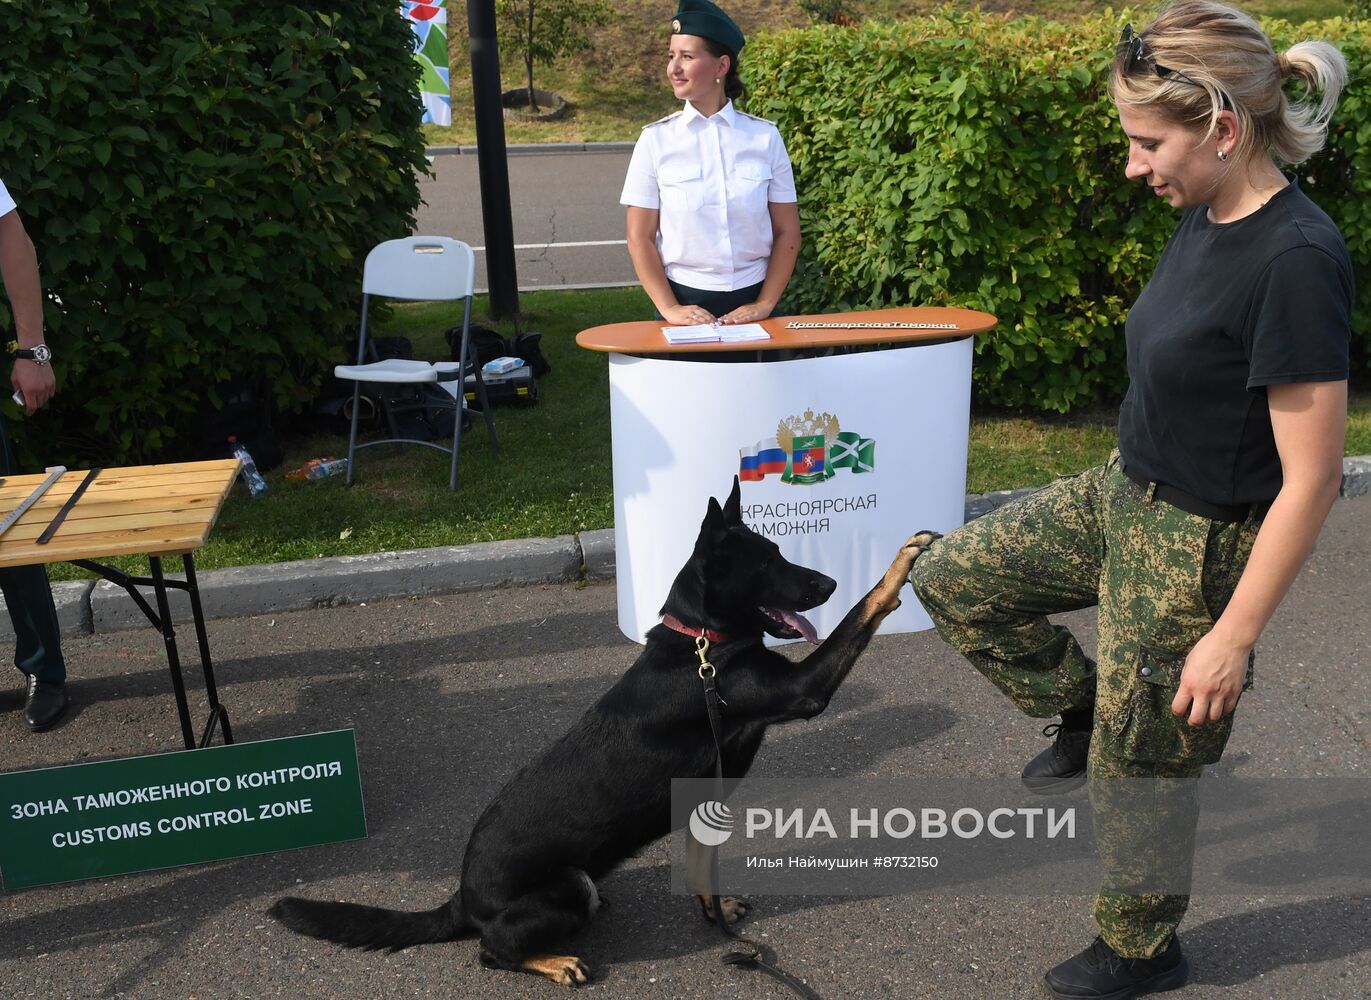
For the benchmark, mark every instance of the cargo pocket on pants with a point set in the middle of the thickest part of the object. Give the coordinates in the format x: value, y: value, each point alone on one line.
x: 1150, y: 733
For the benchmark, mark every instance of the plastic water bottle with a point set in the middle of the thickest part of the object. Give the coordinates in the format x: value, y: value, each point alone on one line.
x: 257, y: 486
x: 319, y: 468
x: 322, y: 468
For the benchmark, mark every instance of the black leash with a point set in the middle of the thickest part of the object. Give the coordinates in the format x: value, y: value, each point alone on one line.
x: 750, y: 954
x: 56, y: 522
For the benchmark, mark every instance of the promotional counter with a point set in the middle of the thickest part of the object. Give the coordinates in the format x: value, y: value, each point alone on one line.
x: 848, y: 432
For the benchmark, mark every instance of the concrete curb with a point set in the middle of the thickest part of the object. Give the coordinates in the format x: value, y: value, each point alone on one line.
x: 597, y: 553
x: 322, y: 583
x: 85, y: 606
x: 536, y: 148
x: 1356, y: 476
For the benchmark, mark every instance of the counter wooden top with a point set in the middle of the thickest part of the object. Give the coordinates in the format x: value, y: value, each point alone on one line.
x: 140, y: 510
x: 904, y: 325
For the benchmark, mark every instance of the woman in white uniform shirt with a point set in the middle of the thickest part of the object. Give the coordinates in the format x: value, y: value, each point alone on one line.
x: 713, y: 228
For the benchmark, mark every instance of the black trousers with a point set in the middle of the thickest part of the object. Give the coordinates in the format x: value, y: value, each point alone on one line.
x: 28, y: 598
x: 717, y: 303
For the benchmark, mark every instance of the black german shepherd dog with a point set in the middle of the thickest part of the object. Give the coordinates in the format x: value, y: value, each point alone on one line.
x: 602, y: 791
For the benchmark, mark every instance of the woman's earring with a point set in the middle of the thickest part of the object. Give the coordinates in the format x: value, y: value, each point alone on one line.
x: 716, y: 81
x: 1223, y: 155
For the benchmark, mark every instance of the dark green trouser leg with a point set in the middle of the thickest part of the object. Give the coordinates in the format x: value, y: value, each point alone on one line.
x: 990, y: 585
x: 28, y: 596
x: 1160, y: 578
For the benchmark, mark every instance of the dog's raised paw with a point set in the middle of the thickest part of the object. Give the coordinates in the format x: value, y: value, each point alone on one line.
x: 920, y: 543
x: 915, y: 545
x: 564, y: 970
x: 885, y: 597
x: 734, y: 909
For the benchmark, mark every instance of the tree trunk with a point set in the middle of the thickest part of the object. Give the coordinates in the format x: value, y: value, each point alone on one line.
x: 528, y: 59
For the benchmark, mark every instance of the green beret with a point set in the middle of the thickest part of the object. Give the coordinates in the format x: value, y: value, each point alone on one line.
x: 702, y: 18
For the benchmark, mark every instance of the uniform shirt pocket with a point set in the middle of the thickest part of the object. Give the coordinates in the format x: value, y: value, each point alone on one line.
x: 682, y: 187
x: 751, y: 185
x: 751, y: 172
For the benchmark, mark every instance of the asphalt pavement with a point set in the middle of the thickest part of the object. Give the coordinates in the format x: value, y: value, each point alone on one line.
x: 449, y: 695
x: 564, y: 207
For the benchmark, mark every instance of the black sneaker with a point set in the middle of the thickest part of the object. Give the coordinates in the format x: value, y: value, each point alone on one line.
x: 1101, y: 973
x: 1061, y: 767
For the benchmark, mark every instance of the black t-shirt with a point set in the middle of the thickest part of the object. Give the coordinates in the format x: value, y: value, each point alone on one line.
x: 1231, y: 309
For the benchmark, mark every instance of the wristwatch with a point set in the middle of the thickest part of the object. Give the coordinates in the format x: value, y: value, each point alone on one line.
x: 39, y: 354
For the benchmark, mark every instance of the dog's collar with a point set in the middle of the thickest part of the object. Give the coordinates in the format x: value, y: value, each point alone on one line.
x: 676, y: 625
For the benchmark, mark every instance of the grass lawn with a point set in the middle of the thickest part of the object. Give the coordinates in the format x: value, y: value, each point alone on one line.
x: 553, y: 476
x: 620, y: 84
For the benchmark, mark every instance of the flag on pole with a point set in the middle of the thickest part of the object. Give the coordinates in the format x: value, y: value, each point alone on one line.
x: 429, y: 21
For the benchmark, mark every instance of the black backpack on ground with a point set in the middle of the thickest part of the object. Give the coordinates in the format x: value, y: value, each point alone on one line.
x: 484, y: 345
x: 423, y: 411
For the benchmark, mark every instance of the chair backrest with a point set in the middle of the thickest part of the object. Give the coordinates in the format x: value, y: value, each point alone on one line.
x: 420, y: 267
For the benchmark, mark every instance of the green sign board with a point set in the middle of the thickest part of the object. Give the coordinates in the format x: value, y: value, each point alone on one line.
x: 59, y: 824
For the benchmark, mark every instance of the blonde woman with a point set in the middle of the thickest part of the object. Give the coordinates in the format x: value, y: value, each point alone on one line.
x: 1229, y: 458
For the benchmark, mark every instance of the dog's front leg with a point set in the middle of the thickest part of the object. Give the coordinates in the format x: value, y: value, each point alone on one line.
x: 700, y: 877
x: 884, y: 598
x: 819, y: 675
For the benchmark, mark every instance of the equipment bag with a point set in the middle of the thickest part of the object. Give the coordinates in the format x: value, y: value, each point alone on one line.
x: 484, y: 344
x: 422, y: 412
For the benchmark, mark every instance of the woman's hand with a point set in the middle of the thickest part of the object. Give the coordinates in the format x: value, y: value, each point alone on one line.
x: 1211, y: 681
x: 750, y: 313
x: 679, y: 315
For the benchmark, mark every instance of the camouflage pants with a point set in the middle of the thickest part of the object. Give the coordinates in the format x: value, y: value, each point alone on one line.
x: 1160, y: 577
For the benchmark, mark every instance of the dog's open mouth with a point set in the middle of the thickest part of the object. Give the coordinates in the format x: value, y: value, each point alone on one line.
x: 790, y: 625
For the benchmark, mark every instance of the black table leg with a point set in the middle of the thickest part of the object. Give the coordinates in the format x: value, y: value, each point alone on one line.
x: 178, y: 684
x: 161, y: 620
x: 217, y: 712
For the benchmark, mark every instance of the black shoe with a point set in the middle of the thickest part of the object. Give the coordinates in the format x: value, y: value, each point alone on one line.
x: 1061, y: 767
x: 45, y: 704
x: 1101, y: 973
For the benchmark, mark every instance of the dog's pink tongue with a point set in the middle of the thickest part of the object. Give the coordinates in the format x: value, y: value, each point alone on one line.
x: 800, y: 624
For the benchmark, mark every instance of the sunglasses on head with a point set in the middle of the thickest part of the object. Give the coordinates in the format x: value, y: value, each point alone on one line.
x: 1136, y: 56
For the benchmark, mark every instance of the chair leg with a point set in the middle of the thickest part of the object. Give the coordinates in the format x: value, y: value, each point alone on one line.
x: 485, y: 410
x: 352, y: 434
x: 456, y: 443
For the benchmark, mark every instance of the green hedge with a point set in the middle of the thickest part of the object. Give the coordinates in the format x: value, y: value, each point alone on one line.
x: 202, y: 180
x: 965, y: 159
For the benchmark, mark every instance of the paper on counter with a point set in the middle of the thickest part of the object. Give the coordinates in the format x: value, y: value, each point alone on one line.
x: 705, y: 333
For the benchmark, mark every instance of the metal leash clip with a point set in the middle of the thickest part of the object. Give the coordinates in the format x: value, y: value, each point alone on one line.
x: 702, y: 651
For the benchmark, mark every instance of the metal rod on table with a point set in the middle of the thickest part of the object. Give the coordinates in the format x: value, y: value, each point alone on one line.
x: 56, y: 522
x: 54, y: 473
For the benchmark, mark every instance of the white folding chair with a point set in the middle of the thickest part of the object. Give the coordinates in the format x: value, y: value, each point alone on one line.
x: 420, y: 268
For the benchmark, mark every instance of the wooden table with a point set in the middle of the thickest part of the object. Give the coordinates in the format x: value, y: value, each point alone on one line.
x: 151, y: 510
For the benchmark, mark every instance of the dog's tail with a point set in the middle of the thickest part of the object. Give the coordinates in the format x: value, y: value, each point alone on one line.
x: 360, y: 926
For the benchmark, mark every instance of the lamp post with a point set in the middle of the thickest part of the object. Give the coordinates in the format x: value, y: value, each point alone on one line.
x: 490, y: 154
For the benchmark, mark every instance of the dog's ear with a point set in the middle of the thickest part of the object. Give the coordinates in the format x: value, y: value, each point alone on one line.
x: 713, y: 525
x: 686, y: 598
x: 733, y: 507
